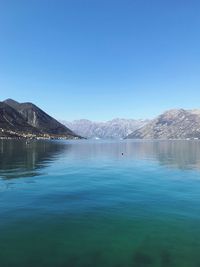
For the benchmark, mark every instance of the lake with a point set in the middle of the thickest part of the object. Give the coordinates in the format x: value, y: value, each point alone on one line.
x: 100, y: 203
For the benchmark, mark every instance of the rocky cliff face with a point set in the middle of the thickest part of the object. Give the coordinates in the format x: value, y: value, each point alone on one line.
x: 37, y: 118
x: 116, y: 128
x: 11, y: 120
x: 173, y: 124
x: 27, y: 117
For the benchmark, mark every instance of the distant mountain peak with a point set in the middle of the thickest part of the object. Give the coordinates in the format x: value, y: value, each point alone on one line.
x: 116, y: 128
x: 11, y: 102
x: 172, y: 124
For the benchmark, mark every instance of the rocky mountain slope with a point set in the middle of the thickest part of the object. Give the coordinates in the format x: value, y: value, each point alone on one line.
x: 25, y: 118
x: 173, y: 124
x: 116, y: 128
x: 11, y: 121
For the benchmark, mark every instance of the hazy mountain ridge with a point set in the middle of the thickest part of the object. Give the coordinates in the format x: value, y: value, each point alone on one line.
x: 172, y: 124
x: 116, y: 128
x: 26, y: 118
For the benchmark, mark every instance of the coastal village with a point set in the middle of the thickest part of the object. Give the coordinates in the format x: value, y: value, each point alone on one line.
x: 9, y: 134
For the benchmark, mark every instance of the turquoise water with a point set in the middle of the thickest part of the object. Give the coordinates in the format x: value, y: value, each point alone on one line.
x: 84, y: 204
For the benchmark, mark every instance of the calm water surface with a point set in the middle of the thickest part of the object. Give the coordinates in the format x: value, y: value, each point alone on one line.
x: 84, y: 204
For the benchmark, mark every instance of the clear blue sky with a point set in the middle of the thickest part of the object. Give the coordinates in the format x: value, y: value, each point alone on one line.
x: 100, y: 59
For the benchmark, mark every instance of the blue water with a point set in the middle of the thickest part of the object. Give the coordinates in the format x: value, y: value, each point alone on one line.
x: 83, y: 203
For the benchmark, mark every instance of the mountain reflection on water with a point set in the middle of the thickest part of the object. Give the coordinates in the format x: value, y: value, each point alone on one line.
x: 181, y: 154
x: 18, y: 159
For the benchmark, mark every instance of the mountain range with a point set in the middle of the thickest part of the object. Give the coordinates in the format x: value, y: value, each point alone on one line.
x: 116, y: 128
x: 172, y: 124
x: 28, y: 120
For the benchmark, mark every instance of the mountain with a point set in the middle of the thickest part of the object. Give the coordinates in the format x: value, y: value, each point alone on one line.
x: 172, y: 124
x: 11, y: 122
x: 28, y: 118
x: 116, y: 128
